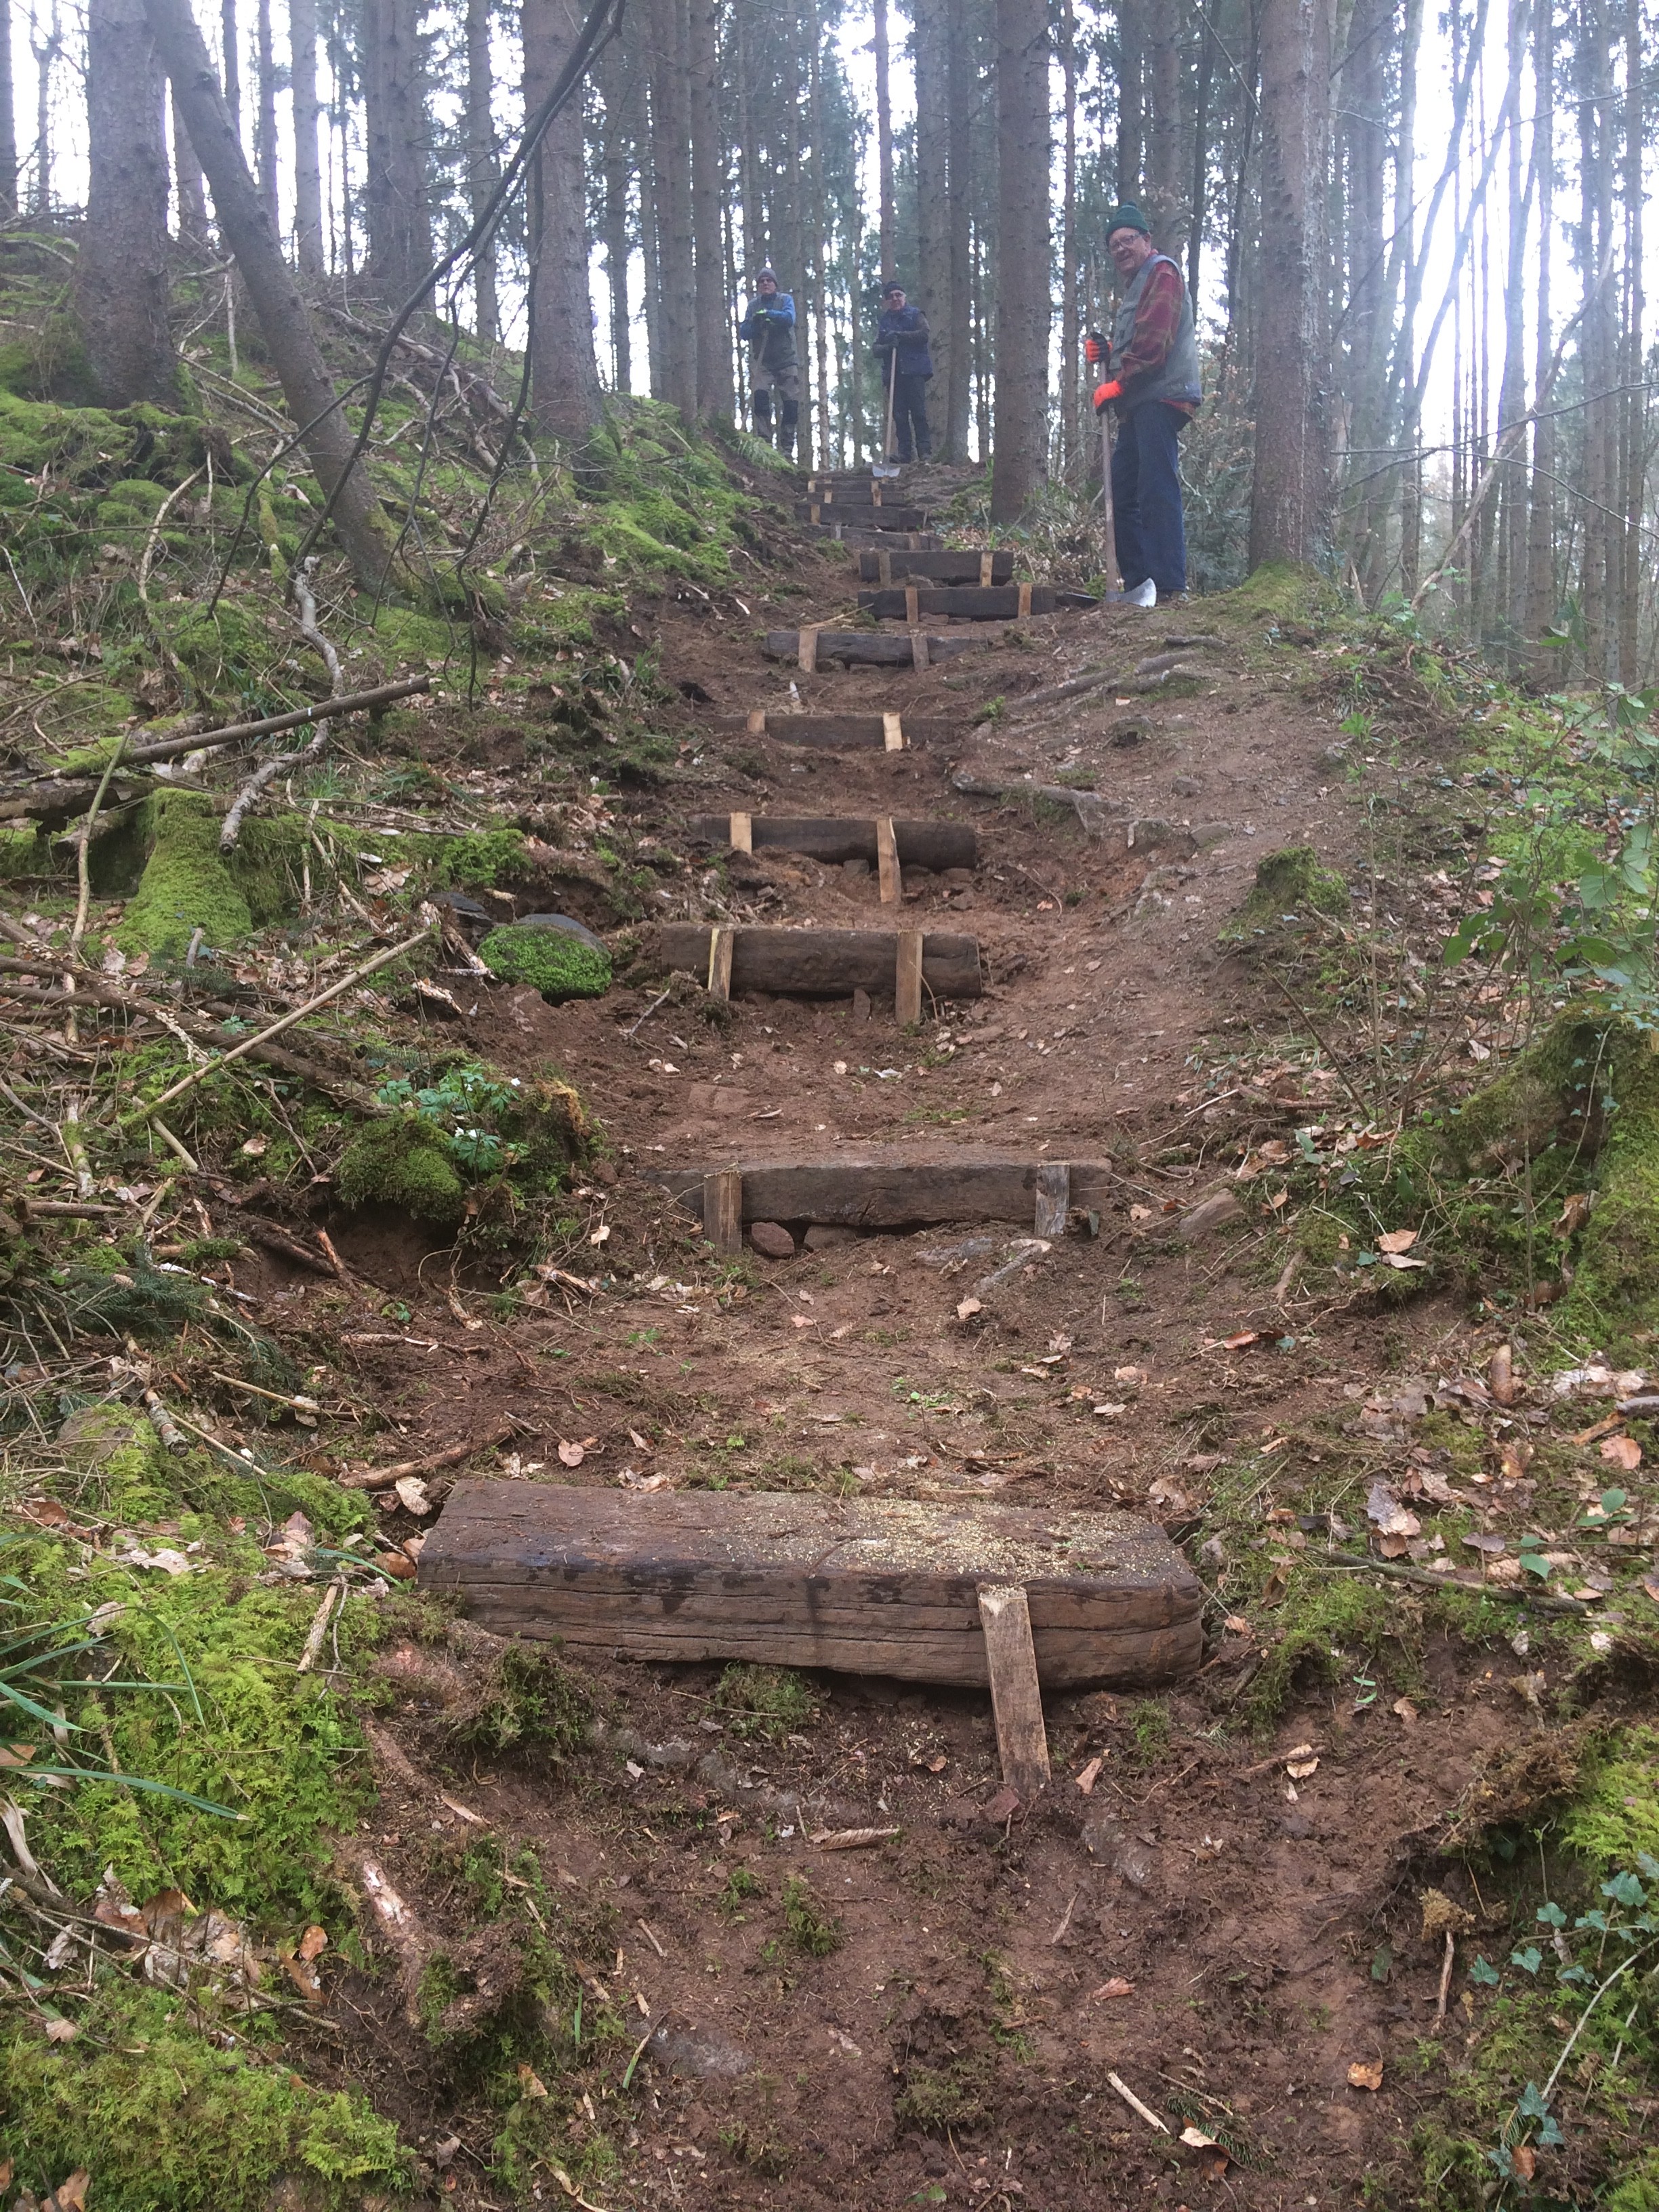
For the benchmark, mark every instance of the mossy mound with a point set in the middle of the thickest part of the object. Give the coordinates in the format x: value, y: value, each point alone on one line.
x: 1291, y: 889
x: 187, y: 884
x: 405, y: 1163
x: 557, y: 965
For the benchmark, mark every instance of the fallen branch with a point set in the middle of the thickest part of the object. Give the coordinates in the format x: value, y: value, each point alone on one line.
x: 83, y: 858
x: 350, y: 702
x: 1053, y: 692
x: 382, y: 1477
x: 1135, y: 2104
x: 279, y: 763
x: 240, y: 1051
x: 1534, y: 1598
x: 277, y: 1240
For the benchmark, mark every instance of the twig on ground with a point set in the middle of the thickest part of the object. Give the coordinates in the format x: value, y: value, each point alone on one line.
x: 1135, y: 2104
x: 313, y: 1643
x: 649, y: 1011
x: 382, y: 1477
x: 1445, y: 1980
x: 1536, y: 1598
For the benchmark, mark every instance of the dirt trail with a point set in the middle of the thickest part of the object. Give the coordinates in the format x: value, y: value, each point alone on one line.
x: 1194, y: 1920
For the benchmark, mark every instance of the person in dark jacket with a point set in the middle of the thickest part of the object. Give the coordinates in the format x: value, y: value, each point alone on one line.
x: 769, y: 328
x: 1153, y: 380
x: 901, y: 346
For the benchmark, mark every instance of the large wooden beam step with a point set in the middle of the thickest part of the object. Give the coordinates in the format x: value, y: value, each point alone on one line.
x: 936, y: 845
x: 867, y: 518
x: 892, y: 1189
x: 954, y: 567
x: 891, y: 733
x: 867, y: 1586
x: 850, y: 533
x: 821, y: 963
x: 971, y: 603
x: 870, y: 648
x: 856, y: 491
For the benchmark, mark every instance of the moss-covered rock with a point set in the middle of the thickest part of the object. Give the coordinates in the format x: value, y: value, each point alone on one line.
x: 120, y: 1444
x: 558, y: 965
x: 1291, y: 889
x: 405, y: 1163
x: 187, y: 884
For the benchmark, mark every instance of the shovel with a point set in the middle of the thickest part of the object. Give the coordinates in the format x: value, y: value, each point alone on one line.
x: 886, y: 466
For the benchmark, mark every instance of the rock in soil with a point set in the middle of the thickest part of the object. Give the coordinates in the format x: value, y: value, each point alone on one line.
x: 772, y: 1240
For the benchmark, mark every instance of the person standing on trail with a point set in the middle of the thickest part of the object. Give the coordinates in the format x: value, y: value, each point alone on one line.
x: 770, y: 329
x: 1152, y: 379
x: 901, y: 346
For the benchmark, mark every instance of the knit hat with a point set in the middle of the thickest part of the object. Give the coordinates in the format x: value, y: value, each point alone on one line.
x: 1127, y: 218
x: 888, y: 290
x: 768, y: 271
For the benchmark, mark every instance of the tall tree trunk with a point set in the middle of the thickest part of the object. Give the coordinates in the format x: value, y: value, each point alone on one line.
x: 1200, y: 195
x: 1540, y: 513
x: 564, y: 377
x: 230, y: 55
x: 8, y: 118
x: 1131, y: 97
x: 484, y: 164
x: 672, y: 163
x: 714, y: 388
x: 1023, y: 290
x: 930, y: 45
x: 1070, y: 334
x: 958, y: 348
x: 121, y: 276
x: 651, y: 253
x: 616, y: 86
x: 754, y: 222
x: 246, y: 230
x: 1597, y: 573
x: 1164, y: 134
x: 187, y: 181
x: 1511, y: 489
x: 264, y: 119
x: 884, y: 146
x: 1290, y: 489
x: 307, y: 172
x: 1633, y: 404
x: 818, y: 228
x: 398, y: 132
x: 45, y: 51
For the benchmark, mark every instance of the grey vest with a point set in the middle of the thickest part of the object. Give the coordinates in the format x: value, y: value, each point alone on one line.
x: 1178, y: 379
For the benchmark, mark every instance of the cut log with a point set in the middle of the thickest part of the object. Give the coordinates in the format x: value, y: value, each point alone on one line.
x: 821, y: 963
x: 936, y: 845
x: 850, y: 534
x: 867, y: 518
x: 883, y: 567
x: 841, y: 733
x: 1016, y: 1688
x: 872, y: 649
x: 879, y: 1586
x: 969, y: 601
x: 894, y: 1190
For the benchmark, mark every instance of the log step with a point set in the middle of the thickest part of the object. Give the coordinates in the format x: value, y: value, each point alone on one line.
x: 972, y: 603
x: 866, y: 517
x: 955, y: 567
x: 870, y: 1586
x: 850, y: 534
x: 870, y: 648
x: 936, y: 845
x: 891, y: 1189
x: 843, y: 732
x: 819, y: 964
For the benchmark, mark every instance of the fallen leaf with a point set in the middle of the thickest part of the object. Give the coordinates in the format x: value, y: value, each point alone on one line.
x: 1650, y: 1584
x: 1390, y: 1516
x: 1300, y: 1769
x: 570, y: 1454
x: 1402, y: 1260
x: 1524, y: 2161
x: 601, y: 1234
x: 530, y: 2082
x: 1406, y: 1710
x: 1086, y: 1780
x: 61, y: 2031
x: 255, y: 1148
x: 5, y: 2173
x: 1132, y: 1377
x: 1575, y: 1212
x: 1479, y: 1540
x: 412, y: 1494
x: 1235, y: 1625
x: 1245, y: 1336
x: 1117, y: 1987
x: 313, y: 1940
x: 1365, y: 2075
x: 968, y: 1309
x: 71, y: 2195
x: 1398, y: 1240
x: 1140, y: 1213
x: 1622, y: 1452
x: 1195, y: 2139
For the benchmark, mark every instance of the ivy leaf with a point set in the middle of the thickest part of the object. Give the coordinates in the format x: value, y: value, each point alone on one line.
x: 1553, y: 1916
x: 1486, y: 1975
x: 1529, y: 1960
x: 1624, y: 1889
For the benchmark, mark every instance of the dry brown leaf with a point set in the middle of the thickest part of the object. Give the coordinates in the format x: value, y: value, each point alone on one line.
x: 968, y: 1309
x: 61, y: 2031
x: 1085, y: 1781
x: 530, y: 2082
x: 1405, y: 1710
x: 1365, y: 2074
x: 1575, y: 1212
x: 1650, y: 1584
x: 1398, y: 1240
x: 1300, y: 1769
x: 411, y: 1493
x: 71, y: 2195
x: 1524, y: 2160
x: 1117, y: 1987
x: 1245, y: 1336
x: 570, y: 1454
x: 313, y: 1940
x: 1622, y: 1452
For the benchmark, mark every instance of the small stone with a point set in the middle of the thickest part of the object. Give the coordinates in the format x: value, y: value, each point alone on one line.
x: 1186, y: 786
x: 964, y: 902
x: 825, y: 1235
x: 856, y: 870
x: 861, y: 1006
x: 1133, y: 730
x: 772, y: 1240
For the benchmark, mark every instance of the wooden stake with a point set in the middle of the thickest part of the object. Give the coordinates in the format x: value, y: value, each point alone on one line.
x: 885, y: 568
x: 742, y: 833
x: 987, y: 562
x: 722, y: 1210
x: 1024, y: 602
x: 887, y: 861
x: 912, y: 605
x: 1054, y: 1198
x: 906, y: 980
x: 1015, y: 1692
x: 808, y: 652
x: 719, y: 964
x: 892, y: 733
x: 757, y: 722
x: 918, y: 647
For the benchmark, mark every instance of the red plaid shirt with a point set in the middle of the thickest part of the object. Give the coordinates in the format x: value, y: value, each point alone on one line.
x: 1158, y: 317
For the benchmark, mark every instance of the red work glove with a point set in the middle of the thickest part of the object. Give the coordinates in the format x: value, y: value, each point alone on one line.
x: 1096, y: 348
x: 1105, y: 393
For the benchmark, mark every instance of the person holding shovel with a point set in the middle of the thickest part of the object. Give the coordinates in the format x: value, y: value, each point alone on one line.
x: 770, y: 329
x: 901, y: 346
x: 1151, y: 381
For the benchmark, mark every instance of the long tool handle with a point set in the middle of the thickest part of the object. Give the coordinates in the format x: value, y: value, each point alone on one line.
x: 1113, y: 582
x: 892, y: 387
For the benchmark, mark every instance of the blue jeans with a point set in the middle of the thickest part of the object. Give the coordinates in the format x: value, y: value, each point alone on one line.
x: 1151, y: 538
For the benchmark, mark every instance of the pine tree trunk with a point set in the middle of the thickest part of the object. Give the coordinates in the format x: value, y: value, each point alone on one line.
x: 1070, y: 333
x: 1510, y: 490
x: 1022, y: 285
x: 265, y: 119
x: 8, y: 118
x: 958, y: 348
x: 564, y: 377
x: 1541, y: 596
x: 754, y: 222
x: 930, y: 47
x: 307, y: 173
x: 121, y: 276
x: 715, y: 391
x: 1164, y: 134
x: 1633, y: 407
x: 884, y: 146
x: 1131, y: 109
x: 187, y: 178
x: 670, y: 160
x: 484, y: 164
x: 1290, y: 492
x: 45, y: 51
x: 231, y: 56
x: 1200, y: 193
x: 617, y: 85
x: 817, y: 229
x: 399, y: 131
x: 246, y: 230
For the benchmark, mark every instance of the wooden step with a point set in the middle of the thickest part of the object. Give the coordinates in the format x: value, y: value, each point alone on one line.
x: 892, y: 1189
x: 870, y: 648
x: 820, y: 964
x: 891, y: 733
x: 936, y: 845
x: 861, y: 1585
x: 850, y: 534
x: 866, y: 518
x: 972, y: 602
x: 856, y: 491
x: 958, y: 566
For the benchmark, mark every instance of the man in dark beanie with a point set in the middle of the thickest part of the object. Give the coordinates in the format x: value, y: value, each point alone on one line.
x: 769, y: 328
x: 1152, y: 379
x: 902, y: 349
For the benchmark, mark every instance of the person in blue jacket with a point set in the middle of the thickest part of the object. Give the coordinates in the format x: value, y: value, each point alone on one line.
x: 769, y: 330
x: 901, y: 346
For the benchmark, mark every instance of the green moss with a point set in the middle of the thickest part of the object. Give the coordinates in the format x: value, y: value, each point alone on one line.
x: 558, y: 966
x: 765, y: 1701
x: 158, y: 2114
x: 186, y: 884
x: 120, y: 1444
x: 1277, y: 591
x: 1291, y: 888
x: 1615, y: 1816
x: 1637, y: 2191
x: 809, y: 1926
x: 23, y: 851
x: 407, y: 1163
x: 529, y: 1698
